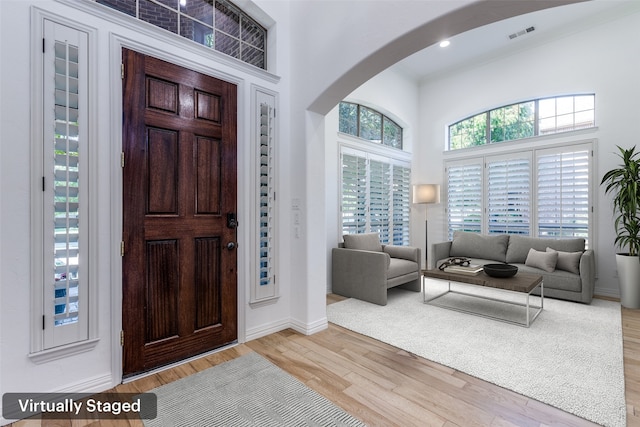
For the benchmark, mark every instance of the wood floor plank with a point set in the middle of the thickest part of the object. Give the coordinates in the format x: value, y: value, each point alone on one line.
x: 386, y: 386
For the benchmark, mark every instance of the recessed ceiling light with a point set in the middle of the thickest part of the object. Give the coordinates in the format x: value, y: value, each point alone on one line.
x: 445, y: 43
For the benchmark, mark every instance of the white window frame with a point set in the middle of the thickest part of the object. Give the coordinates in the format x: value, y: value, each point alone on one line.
x: 45, y: 345
x: 534, y: 151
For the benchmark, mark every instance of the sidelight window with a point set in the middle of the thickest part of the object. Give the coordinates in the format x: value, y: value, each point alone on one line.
x: 63, y: 203
x: 265, y: 285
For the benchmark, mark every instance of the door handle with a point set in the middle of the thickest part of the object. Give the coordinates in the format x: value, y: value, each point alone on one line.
x: 231, y: 245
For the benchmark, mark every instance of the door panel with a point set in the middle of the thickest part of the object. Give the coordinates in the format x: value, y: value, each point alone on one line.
x: 179, y: 277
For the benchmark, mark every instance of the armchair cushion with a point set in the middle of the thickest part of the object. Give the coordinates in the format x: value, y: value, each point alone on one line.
x: 399, y: 267
x: 409, y: 253
x: 365, y: 242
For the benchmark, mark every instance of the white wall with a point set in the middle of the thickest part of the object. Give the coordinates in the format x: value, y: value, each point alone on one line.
x: 604, y: 59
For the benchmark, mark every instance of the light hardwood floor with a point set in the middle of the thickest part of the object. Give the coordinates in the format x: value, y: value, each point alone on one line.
x: 385, y: 386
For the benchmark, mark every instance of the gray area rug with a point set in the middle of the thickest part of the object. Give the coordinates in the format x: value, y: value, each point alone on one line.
x: 571, y: 357
x: 246, y: 391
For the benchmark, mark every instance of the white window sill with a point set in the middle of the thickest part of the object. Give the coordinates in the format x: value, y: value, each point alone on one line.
x: 63, y: 351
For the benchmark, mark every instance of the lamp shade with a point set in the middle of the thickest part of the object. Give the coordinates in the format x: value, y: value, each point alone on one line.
x: 426, y: 193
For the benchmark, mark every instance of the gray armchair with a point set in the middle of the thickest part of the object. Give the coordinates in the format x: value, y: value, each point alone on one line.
x: 364, y: 269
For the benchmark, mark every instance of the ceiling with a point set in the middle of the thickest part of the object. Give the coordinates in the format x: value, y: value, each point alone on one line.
x: 492, y: 41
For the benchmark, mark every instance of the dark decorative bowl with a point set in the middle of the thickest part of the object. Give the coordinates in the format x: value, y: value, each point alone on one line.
x: 500, y: 270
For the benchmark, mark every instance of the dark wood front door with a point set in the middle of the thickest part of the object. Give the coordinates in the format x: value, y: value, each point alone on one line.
x: 179, y: 206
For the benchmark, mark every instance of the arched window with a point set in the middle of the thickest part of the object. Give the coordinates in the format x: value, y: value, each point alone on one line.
x: 369, y: 124
x: 217, y: 24
x: 523, y: 120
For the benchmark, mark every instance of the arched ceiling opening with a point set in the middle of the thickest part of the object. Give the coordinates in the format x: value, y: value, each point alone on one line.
x: 458, y: 21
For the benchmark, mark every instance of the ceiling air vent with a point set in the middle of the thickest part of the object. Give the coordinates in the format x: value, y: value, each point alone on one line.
x: 521, y: 33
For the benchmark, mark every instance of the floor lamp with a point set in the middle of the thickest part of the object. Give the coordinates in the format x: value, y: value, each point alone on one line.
x: 426, y: 194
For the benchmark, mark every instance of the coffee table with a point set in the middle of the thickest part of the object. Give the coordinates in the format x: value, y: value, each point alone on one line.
x: 521, y: 283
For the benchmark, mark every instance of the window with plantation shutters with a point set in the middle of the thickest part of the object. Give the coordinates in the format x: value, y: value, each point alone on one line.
x: 375, y: 196
x: 265, y: 282
x: 65, y: 186
x: 464, y: 196
x: 542, y: 192
x: 509, y: 194
x: 266, y: 193
x: 563, y: 181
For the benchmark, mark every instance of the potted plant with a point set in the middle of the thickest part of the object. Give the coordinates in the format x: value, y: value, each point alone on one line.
x: 623, y: 183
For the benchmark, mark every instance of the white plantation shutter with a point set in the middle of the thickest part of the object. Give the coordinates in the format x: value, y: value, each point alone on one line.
x: 354, y: 194
x: 65, y: 186
x: 375, y: 196
x: 266, y: 186
x: 564, y: 196
x: 380, y: 199
x: 508, y: 194
x: 401, y: 203
x: 544, y: 192
x: 464, y: 196
x: 264, y: 284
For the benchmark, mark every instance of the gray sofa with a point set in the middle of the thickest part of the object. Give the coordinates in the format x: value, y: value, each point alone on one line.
x: 568, y: 270
x: 364, y: 269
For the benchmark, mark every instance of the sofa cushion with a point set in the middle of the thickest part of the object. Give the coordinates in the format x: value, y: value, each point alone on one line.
x: 364, y: 242
x: 543, y: 260
x: 519, y: 246
x: 558, y: 280
x: 474, y: 245
x: 568, y: 261
x: 400, y: 267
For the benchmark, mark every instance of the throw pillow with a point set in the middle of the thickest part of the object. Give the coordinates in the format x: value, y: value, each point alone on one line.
x: 543, y: 260
x: 364, y: 242
x: 568, y: 261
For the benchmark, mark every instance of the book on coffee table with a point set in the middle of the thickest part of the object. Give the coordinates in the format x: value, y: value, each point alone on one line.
x: 472, y: 269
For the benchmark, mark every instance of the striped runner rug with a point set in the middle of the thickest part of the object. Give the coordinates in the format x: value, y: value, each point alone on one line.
x: 246, y: 391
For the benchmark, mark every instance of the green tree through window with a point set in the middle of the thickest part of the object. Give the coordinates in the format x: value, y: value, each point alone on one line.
x: 369, y: 124
x: 524, y: 120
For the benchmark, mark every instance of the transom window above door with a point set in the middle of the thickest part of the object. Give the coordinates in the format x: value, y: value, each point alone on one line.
x: 217, y: 24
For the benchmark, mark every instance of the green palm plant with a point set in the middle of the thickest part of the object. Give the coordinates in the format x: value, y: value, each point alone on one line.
x: 624, y: 183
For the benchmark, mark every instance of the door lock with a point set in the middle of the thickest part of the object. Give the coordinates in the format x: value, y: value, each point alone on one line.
x: 232, y: 220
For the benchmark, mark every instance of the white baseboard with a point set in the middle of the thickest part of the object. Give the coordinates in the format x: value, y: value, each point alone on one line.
x: 95, y: 384
x: 273, y: 327
x: 267, y: 329
x: 606, y: 293
x: 310, y: 328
